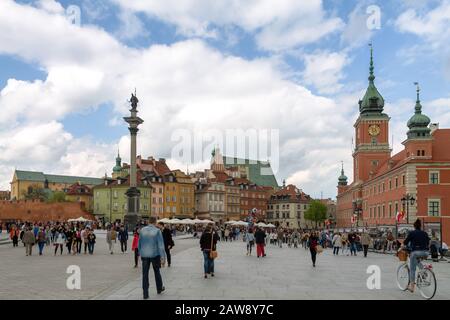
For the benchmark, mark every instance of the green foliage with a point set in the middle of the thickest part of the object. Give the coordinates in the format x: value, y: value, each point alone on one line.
x: 35, y: 192
x: 57, y: 196
x: 317, y: 212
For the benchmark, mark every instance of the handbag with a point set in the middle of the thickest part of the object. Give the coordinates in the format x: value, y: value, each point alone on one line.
x: 212, y: 253
x: 319, y: 248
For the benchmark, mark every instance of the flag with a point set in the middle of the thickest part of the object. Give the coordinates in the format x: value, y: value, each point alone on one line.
x: 400, y: 216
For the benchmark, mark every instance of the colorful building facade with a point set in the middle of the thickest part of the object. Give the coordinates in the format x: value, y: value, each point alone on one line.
x: 414, y: 183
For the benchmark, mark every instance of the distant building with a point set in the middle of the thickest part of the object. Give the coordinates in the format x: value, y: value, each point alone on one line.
x: 5, y: 195
x: 414, y: 182
x: 81, y: 193
x: 24, y: 182
x: 287, y: 208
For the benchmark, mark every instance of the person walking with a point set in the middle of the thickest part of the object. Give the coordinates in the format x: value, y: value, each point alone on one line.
x: 168, y: 241
x: 337, y: 243
x: 365, y: 242
x: 250, y: 237
x: 227, y: 234
x: 134, y: 247
x: 208, y: 242
x: 29, y: 240
x: 60, y: 238
x: 260, y: 236
x: 84, y: 238
x: 41, y: 240
x: 69, y: 239
x: 78, y: 240
x: 91, y: 240
x: 14, y: 235
x: 111, y: 238
x: 352, y: 243
x: 313, y: 242
x: 123, y: 238
x: 280, y: 237
x: 151, y: 249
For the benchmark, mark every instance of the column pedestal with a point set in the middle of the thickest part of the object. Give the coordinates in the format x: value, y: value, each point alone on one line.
x: 132, y: 216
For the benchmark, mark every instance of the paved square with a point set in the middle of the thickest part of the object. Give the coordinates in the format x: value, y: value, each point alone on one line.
x: 285, y: 273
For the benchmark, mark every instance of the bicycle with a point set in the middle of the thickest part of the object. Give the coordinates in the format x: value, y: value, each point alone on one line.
x: 425, y: 278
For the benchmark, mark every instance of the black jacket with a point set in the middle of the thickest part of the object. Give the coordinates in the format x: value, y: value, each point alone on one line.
x: 259, y: 236
x: 167, y: 236
x: 205, y: 241
x: 417, y: 240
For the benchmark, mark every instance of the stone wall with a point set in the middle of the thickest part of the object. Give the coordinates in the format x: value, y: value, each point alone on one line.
x: 35, y: 210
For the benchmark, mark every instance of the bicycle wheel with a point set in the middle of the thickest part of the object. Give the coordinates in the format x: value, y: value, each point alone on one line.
x: 426, y: 283
x: 403, y: 276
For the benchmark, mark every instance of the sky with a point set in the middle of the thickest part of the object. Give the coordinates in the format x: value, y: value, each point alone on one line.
x: 200, y: 67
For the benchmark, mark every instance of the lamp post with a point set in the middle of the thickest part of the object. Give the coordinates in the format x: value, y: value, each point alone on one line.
x: 406, y: 201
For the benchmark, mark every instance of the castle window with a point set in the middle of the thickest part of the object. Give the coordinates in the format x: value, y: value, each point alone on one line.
x: 434, y: 207
x: 434, y: 177
x: 423, y: 153
x: 418, y: 153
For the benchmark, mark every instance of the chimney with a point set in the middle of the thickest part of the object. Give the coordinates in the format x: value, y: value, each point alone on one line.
x: 163, y: 160
x: 434, y: 127
x: 390, y: 164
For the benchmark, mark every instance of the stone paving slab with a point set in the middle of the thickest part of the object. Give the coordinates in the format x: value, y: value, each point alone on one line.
x: 44, y: 277
x: 285, y: 273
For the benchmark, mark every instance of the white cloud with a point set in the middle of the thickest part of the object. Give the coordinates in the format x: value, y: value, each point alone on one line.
x: 356, y: 32
x: 186, y: 85
x: 131, y: 26
x: 432, y: 26
x: 281, y: 25
x: 324, y: 70
x: 51, y: 6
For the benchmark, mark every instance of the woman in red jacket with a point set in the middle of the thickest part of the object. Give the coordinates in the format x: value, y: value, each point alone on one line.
x: 134, y: 247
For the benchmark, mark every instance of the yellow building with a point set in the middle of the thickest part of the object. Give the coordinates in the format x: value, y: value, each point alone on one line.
x: 24, y: 182
x: 81, y: 193
x: 179, y: 199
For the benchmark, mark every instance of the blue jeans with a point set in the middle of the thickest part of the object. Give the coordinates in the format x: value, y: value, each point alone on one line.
x: 208, y: 263
x: 353, y: 248
x: 91, y: 247
x: 413, y: 263
x: 41, y: 247
x: 156, y: 264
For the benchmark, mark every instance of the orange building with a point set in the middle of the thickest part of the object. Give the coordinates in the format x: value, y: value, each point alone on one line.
x: 415, y: 181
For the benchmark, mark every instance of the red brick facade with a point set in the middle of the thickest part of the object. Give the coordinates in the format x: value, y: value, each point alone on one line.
x: 34, y: 211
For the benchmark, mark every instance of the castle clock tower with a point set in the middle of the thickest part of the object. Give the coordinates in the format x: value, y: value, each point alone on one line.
x: 371, y: 132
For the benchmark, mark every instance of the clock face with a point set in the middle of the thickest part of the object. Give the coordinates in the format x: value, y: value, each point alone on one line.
x: 374, y: 130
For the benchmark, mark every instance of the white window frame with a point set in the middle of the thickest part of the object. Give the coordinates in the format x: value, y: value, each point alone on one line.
x: 428, y: 208
x: 438, y: 177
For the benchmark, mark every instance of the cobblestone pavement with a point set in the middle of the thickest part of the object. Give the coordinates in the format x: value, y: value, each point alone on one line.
x: 285, y: 273
x: 44, y: 277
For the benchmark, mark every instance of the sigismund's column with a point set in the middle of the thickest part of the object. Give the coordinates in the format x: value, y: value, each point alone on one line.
x: 132, y: 216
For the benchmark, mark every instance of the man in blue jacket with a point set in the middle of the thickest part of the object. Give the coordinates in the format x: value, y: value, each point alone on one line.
x: 152, y: 251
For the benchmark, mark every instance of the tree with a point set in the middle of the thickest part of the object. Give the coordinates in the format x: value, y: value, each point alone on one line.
x: 35, y: 192
x: 57, y: 196
x: 317, y: 212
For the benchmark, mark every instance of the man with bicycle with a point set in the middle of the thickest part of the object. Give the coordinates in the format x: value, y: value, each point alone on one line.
x: 417, y: 243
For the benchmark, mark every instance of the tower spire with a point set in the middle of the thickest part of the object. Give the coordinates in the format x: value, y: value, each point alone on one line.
x: 371, y: 68
x: 418, y: 105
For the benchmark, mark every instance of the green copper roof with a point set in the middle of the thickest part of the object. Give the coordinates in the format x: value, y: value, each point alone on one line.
x: 260, y: 172
x: 373, y: 102
x: 118, y: 166
x: 41, y: 177
x: 30, y: 176
x: 418, y: 123
x: 342, y: 178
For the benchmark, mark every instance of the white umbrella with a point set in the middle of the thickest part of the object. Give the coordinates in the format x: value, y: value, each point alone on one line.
x: 165, y: 220
x: 208, y: 221
x: 262, y: 225
x: 187, y: 221
x: 240, y: 223
x: 79, y: 219
x: 230, y: 222
x: 175, y: 221
x: 271, y: 225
